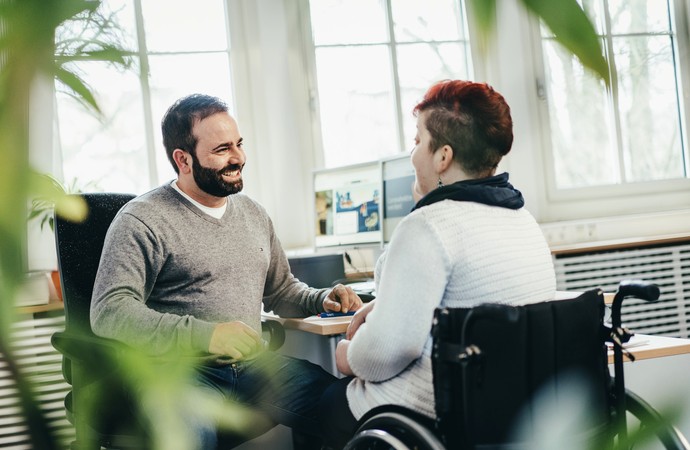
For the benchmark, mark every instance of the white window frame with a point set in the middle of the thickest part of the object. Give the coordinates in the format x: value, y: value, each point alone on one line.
x: 151, y: 126
x: 611, y: 200
x: 392, y: 44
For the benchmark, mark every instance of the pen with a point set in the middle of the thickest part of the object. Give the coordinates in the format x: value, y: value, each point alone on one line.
x: 335, y: 314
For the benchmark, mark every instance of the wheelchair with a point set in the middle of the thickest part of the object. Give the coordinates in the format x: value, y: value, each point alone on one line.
x: 527, y: 377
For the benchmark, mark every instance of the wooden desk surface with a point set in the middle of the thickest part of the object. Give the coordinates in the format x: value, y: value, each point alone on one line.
x: 338, y: 325
x: 644, y: 346
x: 54, y: 306
x: 316, y: 325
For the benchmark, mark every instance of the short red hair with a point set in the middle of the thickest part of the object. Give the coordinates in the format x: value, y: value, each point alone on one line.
x: 473, y: 119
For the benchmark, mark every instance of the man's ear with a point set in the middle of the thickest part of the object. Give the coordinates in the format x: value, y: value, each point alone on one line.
x: 183, y: 160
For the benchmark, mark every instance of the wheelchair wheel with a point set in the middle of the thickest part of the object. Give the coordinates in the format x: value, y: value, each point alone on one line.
x: 650, y: 422
x: 393, y: 430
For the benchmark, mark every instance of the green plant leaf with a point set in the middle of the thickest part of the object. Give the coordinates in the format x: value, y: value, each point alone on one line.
x: 78, y: 87
x: 49, y: 194
x: 573, y: 29
x: 107, y: 53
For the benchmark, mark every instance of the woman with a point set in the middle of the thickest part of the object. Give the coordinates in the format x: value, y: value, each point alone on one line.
x: 467, y: 241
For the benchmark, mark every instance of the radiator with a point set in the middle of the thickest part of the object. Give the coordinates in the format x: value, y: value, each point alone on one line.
x: 42, y: 364
x: 667, y: 265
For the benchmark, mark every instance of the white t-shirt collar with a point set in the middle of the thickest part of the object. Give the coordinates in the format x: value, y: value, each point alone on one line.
x: 216, y: 213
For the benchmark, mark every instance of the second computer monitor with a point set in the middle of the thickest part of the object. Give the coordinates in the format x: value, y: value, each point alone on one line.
x: 347, y: 205
x: 398, y: 180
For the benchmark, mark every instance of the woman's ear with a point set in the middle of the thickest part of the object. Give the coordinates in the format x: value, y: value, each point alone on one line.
x: 444, y: 158
x: 183, y: 160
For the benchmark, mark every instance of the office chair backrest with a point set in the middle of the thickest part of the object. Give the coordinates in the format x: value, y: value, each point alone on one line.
x: 493, y: 363
x: 79, y: 247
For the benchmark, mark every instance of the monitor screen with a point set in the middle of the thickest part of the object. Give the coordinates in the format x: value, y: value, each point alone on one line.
x: 398, y: 179
x: 319, y: 271
x: 347, y: 205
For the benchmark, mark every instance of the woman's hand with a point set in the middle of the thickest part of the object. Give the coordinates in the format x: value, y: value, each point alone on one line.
x: 358, y: 319
x: 341, y: 358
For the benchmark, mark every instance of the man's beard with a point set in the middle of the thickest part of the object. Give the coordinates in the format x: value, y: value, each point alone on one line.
x: 211, y: 181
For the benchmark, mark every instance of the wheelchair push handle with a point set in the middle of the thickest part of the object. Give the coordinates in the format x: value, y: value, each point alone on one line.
x: 640, y: 289
x: 643, y: 290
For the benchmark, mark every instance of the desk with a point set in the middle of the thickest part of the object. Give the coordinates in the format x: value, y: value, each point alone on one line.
x: 315, y: 325
x: 644, y: 346
x: 338, y: 325
x: 313, y: 338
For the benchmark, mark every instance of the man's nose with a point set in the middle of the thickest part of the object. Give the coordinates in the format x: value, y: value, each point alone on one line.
x: 236, y: 157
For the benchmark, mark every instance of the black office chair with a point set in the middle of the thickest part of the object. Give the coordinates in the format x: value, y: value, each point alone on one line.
x: 500, y: 372
x: 90, y: 363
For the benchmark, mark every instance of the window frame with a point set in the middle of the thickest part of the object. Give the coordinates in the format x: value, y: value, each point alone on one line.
x: 152, y: 143
x: 474, y: 66
x: 592, y: 202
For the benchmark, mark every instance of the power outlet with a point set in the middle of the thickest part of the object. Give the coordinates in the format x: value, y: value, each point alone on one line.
x: 570, y: 233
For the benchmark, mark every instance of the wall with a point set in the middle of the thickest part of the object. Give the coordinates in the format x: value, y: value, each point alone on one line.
x: 274, y: 112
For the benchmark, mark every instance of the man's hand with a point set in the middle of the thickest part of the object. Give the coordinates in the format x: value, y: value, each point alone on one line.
x: 342, y: 299
x: 235, y: 339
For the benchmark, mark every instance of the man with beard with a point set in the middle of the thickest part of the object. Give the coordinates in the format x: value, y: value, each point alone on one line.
x: 186, y: 267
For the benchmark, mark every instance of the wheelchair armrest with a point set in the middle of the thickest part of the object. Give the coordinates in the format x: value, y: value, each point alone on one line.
x: 273, y: 333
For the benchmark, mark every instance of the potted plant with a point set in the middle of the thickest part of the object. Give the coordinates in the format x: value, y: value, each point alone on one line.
x: 42, y: 211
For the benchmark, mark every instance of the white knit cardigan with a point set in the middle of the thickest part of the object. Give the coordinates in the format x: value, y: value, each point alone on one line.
x: 449, y: 253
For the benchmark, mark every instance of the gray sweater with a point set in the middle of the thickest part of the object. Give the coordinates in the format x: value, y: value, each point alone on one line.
x: 170, y: 272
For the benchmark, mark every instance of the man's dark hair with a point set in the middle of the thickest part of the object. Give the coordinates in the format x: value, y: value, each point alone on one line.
x: 181, y: 117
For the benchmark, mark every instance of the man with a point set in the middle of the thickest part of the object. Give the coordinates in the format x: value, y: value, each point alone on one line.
x: 186, y: 267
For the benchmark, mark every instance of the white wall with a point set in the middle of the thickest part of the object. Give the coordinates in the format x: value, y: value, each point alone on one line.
x: 274, y: 113
x: 41, y: 243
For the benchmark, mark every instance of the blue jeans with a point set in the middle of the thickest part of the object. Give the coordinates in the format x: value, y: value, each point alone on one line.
x: 282, y: 389
x: 336, y: 420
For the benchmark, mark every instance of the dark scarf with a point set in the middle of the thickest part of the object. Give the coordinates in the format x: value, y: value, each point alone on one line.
x: 492, y: 191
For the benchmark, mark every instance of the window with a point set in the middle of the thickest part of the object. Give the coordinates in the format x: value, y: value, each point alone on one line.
x: 374, y: 60
x: 177, y: 49
x: 636, y: 130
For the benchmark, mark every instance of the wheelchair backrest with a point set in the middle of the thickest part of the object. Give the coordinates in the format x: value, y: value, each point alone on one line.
x: 496, y: 366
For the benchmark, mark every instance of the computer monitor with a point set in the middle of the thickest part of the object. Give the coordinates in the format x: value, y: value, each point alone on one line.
x: 397, y: 174
x: 347, y: 205
x: 319, y: 271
